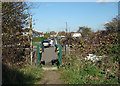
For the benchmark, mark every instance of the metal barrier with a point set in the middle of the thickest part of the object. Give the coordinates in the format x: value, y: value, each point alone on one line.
x: 40, y: 49
x: 59, y: 51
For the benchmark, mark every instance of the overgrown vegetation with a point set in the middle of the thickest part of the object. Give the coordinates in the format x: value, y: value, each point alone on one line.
x: 15, y: 17
x: 76, y: 69
x: 85, y: 72
x: 27, y: 75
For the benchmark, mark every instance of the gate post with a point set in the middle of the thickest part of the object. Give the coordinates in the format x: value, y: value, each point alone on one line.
x: 42, y: 44
x: 59, y: 51
x: 60, y: 55
x: 38, y: 55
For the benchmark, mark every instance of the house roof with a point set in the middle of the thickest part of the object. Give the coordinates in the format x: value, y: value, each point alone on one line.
x: 34, y: 31
x: 37, y: 32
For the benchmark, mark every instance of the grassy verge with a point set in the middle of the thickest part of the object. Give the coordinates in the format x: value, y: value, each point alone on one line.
x: 38, y: 39
x: 85, y: 72
x: 27, y: 75
x: 35, y: 44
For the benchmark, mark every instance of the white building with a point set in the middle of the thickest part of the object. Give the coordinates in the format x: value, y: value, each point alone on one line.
x: 37, y: 34
x: 76, y: 35
x: 34, y: 33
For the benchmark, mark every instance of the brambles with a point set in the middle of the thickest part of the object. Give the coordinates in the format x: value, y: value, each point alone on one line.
x: 79, y: 72
x: 103, y: 71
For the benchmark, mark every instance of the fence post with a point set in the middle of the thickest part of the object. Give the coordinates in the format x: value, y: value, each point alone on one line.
x: 42, y: 44
x: 65, y: 48
x: 59, y: 51
x: 60, y: 54
x: 38, y: 55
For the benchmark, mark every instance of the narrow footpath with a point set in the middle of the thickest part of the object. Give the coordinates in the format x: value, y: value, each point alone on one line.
x: 51, y: 75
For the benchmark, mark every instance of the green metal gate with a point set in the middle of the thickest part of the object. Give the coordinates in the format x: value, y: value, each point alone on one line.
x: 40, y: 49
x: 59, y: 51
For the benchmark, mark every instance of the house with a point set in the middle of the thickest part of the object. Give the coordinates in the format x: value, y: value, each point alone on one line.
x: 76, y: 34
x: 37, y: 34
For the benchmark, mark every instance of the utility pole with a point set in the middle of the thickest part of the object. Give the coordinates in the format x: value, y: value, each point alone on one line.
x: 66, y: 28
x: 69, y: 29
x: 31, y: 43
x: 68, y: 41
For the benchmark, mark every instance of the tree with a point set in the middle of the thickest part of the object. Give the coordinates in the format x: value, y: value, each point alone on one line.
x: 62, y: 33
x: 52, y: 32
x: 14, y: 19
x: 85, y: 31
x: 112, y: 26
x: 46, y: 35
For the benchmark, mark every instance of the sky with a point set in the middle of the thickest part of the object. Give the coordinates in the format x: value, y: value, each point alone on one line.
x: 52, y: 16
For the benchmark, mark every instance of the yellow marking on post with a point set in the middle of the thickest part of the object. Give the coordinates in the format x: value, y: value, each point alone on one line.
x: 57, y: 51
x: 40, y: 51
x: 40, y: 48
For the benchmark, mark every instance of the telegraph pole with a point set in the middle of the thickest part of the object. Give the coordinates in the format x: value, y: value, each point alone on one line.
x: 31, y: 44
x: 66, y: 28
x: 66, y: 37
x: 69, y: 29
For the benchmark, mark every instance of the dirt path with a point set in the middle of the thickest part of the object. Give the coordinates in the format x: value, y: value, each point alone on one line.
x: 51, y: 77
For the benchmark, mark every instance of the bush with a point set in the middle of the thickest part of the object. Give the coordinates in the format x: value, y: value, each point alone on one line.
x: 80, y: 72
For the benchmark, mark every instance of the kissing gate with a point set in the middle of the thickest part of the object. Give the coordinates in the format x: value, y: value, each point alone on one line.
x: 40, y: 50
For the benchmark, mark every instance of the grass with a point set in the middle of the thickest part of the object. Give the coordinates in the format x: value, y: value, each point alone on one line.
x: 32, y: 71
x: 27, y: 75
x: 38, y: 39
x: 35, y: 44
x: 77, y: 72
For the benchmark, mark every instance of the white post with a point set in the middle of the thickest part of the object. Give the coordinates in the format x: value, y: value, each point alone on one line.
x: 31, y: 46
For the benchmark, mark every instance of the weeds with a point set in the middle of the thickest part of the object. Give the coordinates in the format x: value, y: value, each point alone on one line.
x: 27, y: 75
x: 82, y: 72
